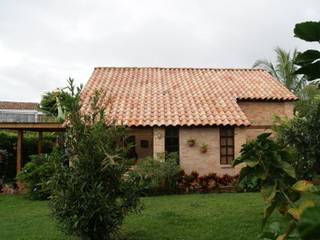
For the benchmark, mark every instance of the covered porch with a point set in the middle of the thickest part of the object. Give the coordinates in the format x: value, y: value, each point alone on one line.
x: 20, y: 128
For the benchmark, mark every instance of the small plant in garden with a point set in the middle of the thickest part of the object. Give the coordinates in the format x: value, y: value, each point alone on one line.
x: 92, y: 191
x: 191, y: 142
x: 158, y: 176
x: 204, y: 148
x: 37, y: 174
x: 207, y: 183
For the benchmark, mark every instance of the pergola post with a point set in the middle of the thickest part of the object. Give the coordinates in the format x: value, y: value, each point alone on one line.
x: 40, y: 142
x: 19, y: 150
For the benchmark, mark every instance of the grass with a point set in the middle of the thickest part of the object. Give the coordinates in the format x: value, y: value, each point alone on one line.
x: 180, y: 217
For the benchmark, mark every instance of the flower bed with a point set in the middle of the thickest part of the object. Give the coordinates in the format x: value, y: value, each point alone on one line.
x: 207, y: 183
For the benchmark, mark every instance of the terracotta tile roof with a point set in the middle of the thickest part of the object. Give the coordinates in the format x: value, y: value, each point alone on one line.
x: 180, y: 96
x: 19, y: 105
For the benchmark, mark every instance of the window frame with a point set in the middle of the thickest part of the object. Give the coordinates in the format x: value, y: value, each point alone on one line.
x: 227, y: 142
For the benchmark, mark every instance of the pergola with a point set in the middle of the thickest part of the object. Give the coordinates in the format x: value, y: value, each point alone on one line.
x: 33, y: 127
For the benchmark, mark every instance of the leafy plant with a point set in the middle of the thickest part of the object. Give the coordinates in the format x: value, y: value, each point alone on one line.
x: 309, y: 61
x: 204, y: 148
x: 191, y: 142
x: 302, y: 134
x: 207, y: 183
x: 92, y: 190
x: 308, y: 97
x: 249, y: 184
x: 270, y: 162
x: 158, y: 175
x: 37, y: 174
x: 284, y: 69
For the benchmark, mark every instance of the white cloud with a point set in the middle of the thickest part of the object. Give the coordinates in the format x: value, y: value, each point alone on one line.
x: 45, y: 42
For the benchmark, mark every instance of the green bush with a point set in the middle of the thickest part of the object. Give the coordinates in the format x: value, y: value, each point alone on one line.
x: 37, y: 174
x: 92, y: 191
x: 8, y: 140
x: 158, y: 176
x: 302, y: 134
x: 249, y: 184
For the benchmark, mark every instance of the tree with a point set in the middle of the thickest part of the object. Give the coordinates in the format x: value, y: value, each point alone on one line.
x: 308, y: 97
x: 53, y: 103
x: 284, y: 69
x: 92, y: 188
x: 309, y: 61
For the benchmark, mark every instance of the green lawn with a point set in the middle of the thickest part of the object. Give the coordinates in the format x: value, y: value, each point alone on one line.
x: 199, y: 216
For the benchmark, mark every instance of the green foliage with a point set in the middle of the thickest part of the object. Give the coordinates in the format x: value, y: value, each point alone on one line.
x: 55, y: 103
x: 308, y: 31
x: 29, y: 147
x: 158, y: 175
x: 269, y: 162
x: 308, y: 97
x: 37, y: 174
x: 284, y: 69
x: 302, y: 133
x: 309, y: 224
x: 249, y: 184
x: 91, y: 188
x: 309, y: 61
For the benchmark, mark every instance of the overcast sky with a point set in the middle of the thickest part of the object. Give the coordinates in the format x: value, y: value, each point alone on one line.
x: 42, y: 43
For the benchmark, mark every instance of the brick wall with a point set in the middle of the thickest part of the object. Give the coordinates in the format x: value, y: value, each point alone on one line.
x: 261, y: 114
x: 143, y: 134
x: 191, y: 159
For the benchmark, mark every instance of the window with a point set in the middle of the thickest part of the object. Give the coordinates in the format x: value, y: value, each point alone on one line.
x: 172, y: 139
x: 144, y: 143
x: 226, y: 145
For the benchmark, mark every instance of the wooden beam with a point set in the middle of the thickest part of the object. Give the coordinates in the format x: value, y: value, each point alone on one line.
x: 48, y: 127
x: 40, y: 142
x: 19, y: 151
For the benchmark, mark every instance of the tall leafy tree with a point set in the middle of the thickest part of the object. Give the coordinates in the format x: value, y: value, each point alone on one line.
x: 284, y: 69
x: 92, y: 188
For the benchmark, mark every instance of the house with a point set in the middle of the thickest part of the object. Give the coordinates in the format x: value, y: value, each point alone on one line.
x: 168, y: 108
x: 19, y: 112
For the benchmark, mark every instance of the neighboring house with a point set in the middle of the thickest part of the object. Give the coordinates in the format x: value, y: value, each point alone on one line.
x: 19, y: 112
x: 166, y: 107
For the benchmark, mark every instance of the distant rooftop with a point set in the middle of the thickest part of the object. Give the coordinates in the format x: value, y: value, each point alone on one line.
x: 19, y: 105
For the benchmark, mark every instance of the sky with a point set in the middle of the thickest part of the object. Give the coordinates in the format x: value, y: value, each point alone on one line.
x: 43, y: 42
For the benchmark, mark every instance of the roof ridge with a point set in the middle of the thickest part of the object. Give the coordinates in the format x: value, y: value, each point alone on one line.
x: 185, y: 68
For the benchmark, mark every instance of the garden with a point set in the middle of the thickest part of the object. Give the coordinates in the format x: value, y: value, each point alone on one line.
x: 88, y: 187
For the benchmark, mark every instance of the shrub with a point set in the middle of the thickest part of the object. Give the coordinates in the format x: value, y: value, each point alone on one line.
x: 249, y: 184
x: 302, y: 135
x: 37, y: 174
x: 158, y: 175
x: 91, y: 189
x: 29, y: 147
x: 207, y: 183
